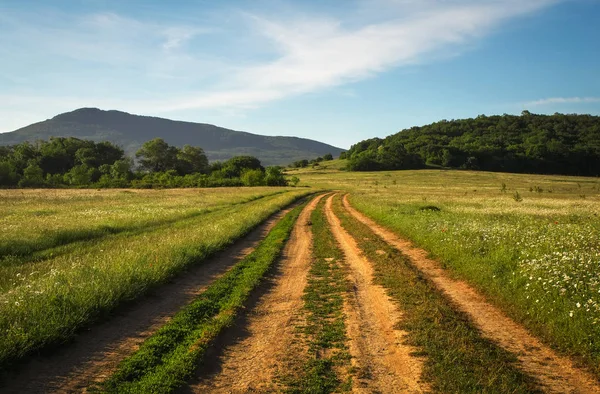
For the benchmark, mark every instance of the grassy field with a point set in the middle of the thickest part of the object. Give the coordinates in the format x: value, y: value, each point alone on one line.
x: 457, y: 358
x: 33, y: 222
x: 169, y: 357
x: 531, y: 243
x: 69, y: 257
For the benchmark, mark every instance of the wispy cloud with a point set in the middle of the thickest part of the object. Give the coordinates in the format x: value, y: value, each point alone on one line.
x: 317, y: 52
x: 158, y: 66
x: 563, y: 100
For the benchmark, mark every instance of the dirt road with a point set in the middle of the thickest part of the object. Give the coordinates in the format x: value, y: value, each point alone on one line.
x: 556, y: 374
x: 95, y: 353
x: 385, y: 364
x: 254, y: 356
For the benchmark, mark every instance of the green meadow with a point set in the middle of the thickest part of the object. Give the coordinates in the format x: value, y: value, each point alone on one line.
x: 530, y: 243
x: 72, y: 256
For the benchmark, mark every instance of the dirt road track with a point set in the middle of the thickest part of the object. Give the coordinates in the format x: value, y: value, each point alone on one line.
x: 95, y: 353
x: 377, y: 348
x: 556, y: 374
x: 253, y: 359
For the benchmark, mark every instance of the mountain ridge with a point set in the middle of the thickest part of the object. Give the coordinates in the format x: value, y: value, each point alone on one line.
x: 130, y: 131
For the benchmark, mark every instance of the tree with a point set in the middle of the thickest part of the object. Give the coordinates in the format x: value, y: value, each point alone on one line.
x: 191, y: 160
x: 80, y: 175
x: 233, y: 167
x: 96, y: 155
x: 58, y: 155
x: 328, y: 157
x: 301, y: 163
x: 8, y: 176
x: 86, y: 156
x: 274, y: 177
x: 121, y: 169
x: 108, y: 153
x: 364, y: 161
x: 33, y: 176
x: 157, y: 156
x: 253, y: 177
x: 22, y: 155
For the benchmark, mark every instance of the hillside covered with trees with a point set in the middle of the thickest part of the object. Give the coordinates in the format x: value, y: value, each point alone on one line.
x: 530, y: 143
x: 131, y: 131
x: 72, y: 162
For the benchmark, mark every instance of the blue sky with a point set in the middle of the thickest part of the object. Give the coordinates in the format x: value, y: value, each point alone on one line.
x: 338, y: 71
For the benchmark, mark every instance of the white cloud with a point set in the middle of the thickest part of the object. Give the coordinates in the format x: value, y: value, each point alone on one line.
x: 152, y: 67
x: 320, y: 52
x: 563, y: 100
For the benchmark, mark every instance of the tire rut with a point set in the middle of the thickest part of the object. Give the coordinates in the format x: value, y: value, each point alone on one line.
x: 385, y: 363
x: 556, y: 374
x: 254, y: 355
x: 95, y: 353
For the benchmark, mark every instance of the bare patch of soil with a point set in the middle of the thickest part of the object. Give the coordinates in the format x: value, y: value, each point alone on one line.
x: 257, y: 350
x: 95, y: 353
x: 384, y: 362
x: 555, y: 373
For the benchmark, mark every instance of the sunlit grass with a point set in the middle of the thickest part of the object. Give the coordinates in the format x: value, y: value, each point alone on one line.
x: 45, y: 302
x: 168, y: 358
x: 539, y: 258
x: 32, y: 220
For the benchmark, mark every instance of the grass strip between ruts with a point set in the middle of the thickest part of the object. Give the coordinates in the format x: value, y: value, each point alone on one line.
x: 457, y: 358
x: 328, y: 362
x: 168, y: 358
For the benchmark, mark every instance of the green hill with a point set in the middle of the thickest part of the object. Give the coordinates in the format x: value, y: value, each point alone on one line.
x: 530, y: 143
x: 131, y: 131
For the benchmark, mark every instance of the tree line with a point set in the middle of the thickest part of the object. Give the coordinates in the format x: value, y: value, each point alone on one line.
x: 314, y: 162
x: 529, y: 143
x: 72, y: 162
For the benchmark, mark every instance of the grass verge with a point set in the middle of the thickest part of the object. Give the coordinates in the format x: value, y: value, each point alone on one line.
x: 457, y: 358
x: 46, y: 308
x: 168, y: 358
x: 537, y: 259
x: 326, y: 369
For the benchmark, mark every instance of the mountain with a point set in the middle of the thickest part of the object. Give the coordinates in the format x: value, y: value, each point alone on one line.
x: 131, y: 131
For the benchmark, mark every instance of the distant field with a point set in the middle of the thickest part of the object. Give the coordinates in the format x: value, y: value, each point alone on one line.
x: 68, y: 256
x: 531, y: 243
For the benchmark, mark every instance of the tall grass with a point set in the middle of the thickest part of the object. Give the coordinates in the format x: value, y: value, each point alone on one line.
x: 34, y: 220
x: 541, y: 264
x: 48, y: 305
x: 538, y: 258
x: 457, y: 359
x: 169, y: 357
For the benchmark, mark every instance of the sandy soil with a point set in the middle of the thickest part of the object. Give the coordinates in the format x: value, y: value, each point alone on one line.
x: 95, y: 353
x: 256, y: 352
x: 555, y: 373
x: 385, y: 364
